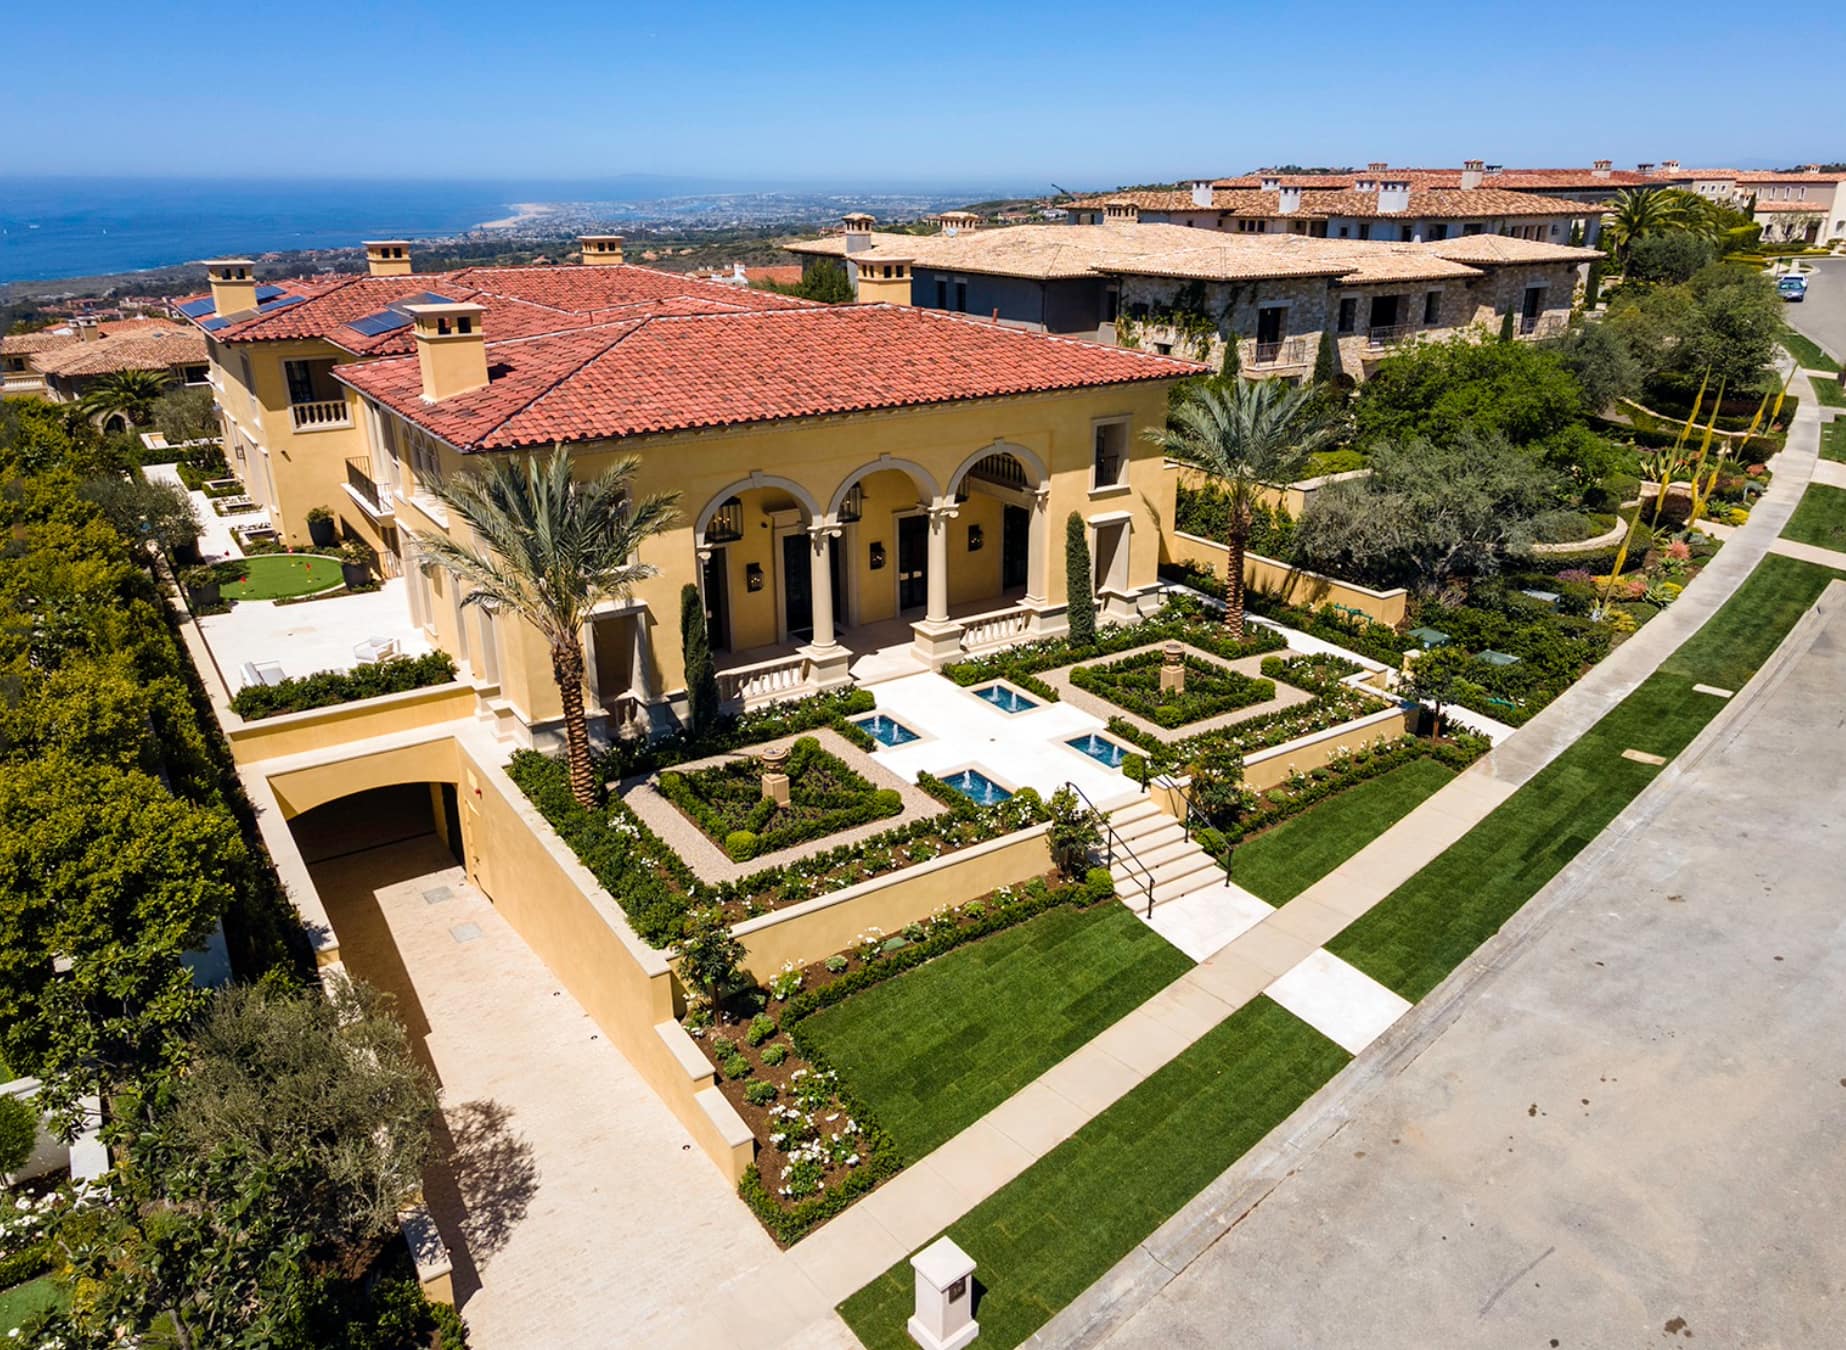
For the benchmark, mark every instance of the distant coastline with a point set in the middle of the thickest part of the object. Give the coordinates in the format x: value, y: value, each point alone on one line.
x: 525, y: 214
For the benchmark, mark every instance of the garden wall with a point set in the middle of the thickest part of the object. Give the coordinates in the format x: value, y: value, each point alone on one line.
x: 1291, y: 585
x: 831, y: 923
x: 1292, y: 497
x: 295, y: 733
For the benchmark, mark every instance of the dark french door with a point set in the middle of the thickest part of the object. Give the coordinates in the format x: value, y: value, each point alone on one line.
x: 912, y: 562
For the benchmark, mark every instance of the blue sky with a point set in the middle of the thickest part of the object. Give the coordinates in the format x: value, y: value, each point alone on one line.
x: 932, y: 91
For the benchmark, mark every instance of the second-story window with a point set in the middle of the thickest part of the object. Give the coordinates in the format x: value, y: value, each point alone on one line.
x: 1432, y: 307
x: 1111, y: 453
x: 1349, y: 313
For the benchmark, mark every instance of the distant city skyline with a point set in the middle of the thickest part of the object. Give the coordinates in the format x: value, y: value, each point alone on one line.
x: 1021, y: 96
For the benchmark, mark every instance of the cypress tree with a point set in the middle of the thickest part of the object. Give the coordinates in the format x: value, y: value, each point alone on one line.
x: 1077, y: 583
x: 1228, y: 371
x: 1506, y: 325
x: 701, y: 670
x: 1592, y: 286
x: 1327, y: 359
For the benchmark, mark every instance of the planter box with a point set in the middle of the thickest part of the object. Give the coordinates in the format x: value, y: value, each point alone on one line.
x: 321, y: 532
x: 355, y: 575
x: 204, y: 597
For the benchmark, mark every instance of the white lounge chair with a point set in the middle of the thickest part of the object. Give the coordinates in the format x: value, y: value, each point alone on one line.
x: 263, y: 672
x: 375, y: 649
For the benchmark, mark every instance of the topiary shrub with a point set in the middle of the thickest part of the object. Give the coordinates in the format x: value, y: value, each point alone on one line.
x: 1078, y: 585
x: 740, y: 845
x: 18, y: 1133
x: 760, y: 1094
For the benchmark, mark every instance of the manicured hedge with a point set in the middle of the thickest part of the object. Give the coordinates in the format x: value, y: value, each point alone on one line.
x: 627, y: 758
x: 1379, y: 641
x: 397, y: 675
x: 825, y: 796
x: 1134, y: 683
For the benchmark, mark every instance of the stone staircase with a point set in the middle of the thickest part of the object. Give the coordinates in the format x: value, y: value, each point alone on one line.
x: 1158, y: 848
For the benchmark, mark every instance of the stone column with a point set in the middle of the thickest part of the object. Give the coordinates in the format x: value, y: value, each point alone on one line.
x: 827, y: 660
x: 940, y: 515
x: 937, y: 638
x: 1047, y: 619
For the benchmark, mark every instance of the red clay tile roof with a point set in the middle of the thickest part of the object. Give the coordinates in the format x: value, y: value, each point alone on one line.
x: 520, y: 302
x: 1512, y: 179
x: 1436, y: 203
x: 665, y: 373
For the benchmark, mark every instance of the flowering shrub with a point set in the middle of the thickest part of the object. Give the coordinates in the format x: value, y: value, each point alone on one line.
x: 785, y: 982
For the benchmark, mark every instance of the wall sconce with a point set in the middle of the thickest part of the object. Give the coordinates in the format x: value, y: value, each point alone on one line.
x: 975, y: 538
x: 878, y: 555
x: 753, y: 577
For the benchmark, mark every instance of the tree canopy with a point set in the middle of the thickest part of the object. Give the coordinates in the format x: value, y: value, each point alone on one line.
x: 1440, y: 390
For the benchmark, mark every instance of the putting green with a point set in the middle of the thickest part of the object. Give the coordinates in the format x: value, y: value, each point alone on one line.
x: 278, y: 576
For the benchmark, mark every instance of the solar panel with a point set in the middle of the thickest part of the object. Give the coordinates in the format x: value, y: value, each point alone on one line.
x: 214, y: 324
x: 268, y: 292
x: 385, y: 321
x: 192, y: 309
x: 283, y: 303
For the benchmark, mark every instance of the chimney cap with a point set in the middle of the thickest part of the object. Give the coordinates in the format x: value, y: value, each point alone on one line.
x: 221, y: 263
x: 444, y: 308
x: 1378, y: 166
x: 387, y: 243
x: 600, y: 238
x: 854, y: 217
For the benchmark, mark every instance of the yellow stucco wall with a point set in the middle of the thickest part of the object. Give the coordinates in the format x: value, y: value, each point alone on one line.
x: 1293, y: 585
x: 832, y: 923
x: 298, y: 733
x: 819, y: 457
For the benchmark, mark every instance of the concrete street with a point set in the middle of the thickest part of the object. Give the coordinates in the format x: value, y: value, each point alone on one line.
x: 1631, y: 1127
x: 1822, y: 316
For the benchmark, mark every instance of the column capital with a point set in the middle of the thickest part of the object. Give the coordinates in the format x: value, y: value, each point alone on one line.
x: 827, y: 527
x: 943, y: 510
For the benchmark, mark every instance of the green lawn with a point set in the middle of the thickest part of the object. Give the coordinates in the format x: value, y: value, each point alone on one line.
x: 1429, y: 925
x: 1281, y: 863
x: 933, y: 1050
x: 1829, y: 393
x: 23, y: 1300
x: 1820, y: 518
x: 1059, y: 1226
x: 278, y: 576
x: 1833, y: 440
x: 1808, y: 353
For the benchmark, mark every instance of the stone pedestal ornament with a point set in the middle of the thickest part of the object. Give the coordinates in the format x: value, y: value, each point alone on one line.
x: 944, y: 1316
x: 775, y: 774
x: 1173, y: 668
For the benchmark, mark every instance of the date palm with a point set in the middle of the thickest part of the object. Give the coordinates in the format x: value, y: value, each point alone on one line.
x: 1640, y: 211
x: 1243, y: 437
x: 130, y: 393
x: 550, y: 548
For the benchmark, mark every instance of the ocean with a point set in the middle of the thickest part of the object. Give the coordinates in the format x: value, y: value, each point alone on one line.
x: 70, y: 227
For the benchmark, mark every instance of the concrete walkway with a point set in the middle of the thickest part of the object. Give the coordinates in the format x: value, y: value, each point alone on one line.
x: 577, y: 1212
x: 1622, y: 1127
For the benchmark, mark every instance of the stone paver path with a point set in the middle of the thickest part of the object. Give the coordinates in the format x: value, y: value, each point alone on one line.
x: 577, y: 1211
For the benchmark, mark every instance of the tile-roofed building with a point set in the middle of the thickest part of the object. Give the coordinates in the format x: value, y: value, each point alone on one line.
x: 630, y: 378
x: 785, y: 424
x: 61, y: 363
x: 1277, y: 293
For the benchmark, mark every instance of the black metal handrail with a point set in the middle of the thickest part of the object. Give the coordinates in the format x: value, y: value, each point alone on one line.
x: 1194, y: 815
x: 1114, y: 841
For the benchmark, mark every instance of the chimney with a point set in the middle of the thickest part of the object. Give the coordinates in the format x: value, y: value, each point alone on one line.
x: 1601, y: 168
x: 451, y: 348
x: 858, y: 231
x: 1288, y: 201
x: 1376, y: 167
x: 233, y: 283
x: 1471, y: 170
x: 88, y: 330
x: 1644, y: 168
x: 1271, y: 183
x: 1669, y: 166
x: 387, y: 257
x: 737, y: 274
x: 1201, y: 192
x: 601, y: 250
x: 1810, y: 168
x: 1393, y: 196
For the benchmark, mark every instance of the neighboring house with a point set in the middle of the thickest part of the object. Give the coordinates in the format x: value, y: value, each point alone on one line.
x: 60, y: 363
x: 1177, y: 290
x: 1401, y: 206
x: 1805, y: 206
x: 851, y: 477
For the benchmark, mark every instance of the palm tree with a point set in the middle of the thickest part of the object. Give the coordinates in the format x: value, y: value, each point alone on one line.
x: 1244, y: 436
x: 130, y: 393
x: 1638, y: 211
x: 550, y: 549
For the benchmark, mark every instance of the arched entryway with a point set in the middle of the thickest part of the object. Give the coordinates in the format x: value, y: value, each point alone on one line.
x: 1000, y: 492
x: 755, y: 541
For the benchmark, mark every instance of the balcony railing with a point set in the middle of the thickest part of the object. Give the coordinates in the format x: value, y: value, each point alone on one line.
x: 765, y: 681
x: 1542, y: 325
x: 1294, y: 351
x: 324, y: 415
x: 1383, y: 335
x: 359, y: 479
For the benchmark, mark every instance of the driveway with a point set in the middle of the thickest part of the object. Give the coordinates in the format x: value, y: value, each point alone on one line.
x: 1822, y: 316
x: 577, y: 1211
x: 1632, y: 1131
